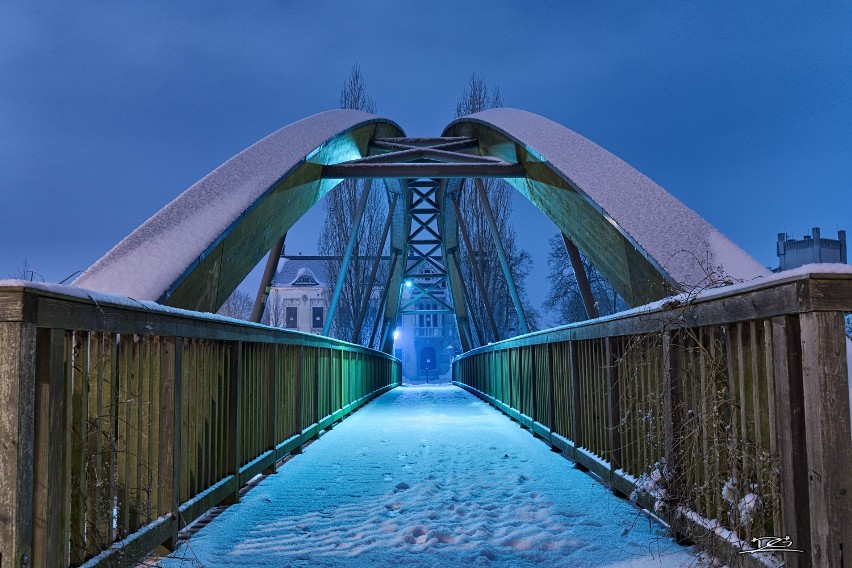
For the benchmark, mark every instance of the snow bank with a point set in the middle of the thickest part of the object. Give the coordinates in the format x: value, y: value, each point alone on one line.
x: 155, y: 255
x: 676, y: 238
x: 430, y: 476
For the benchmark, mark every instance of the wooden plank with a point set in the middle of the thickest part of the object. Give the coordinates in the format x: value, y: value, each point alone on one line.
x: 772, y: 414
x: 170, y: 450
x: 50, y: 439
x: 155, y: 363
x: 17, y: 395
x: 673, y: 412
x: 827, y: 431
x: 551, y: 421
x: 139, y: 488
x: 235, y: 418
x: 106, y: 530
x: 613, y: 404
x: 80, y: 452
x: 576, y: 395
x: 792, y: 445
x: 126, y: 552
x: 220, y: 493
x: 272, y: 409
x: 96, y: 417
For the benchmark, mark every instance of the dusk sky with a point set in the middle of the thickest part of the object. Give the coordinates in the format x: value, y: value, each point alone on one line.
x: 108, y: 110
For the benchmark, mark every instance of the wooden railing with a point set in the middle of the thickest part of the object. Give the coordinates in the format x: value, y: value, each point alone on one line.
x: 122, y: 422
x: 727, y: 413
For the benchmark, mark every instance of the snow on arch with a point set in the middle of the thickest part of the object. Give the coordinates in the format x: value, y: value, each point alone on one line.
x: 631, y: 228
x: 198, y: 248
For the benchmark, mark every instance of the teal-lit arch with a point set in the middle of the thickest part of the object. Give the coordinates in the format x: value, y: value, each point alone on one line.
x: 646, y: 243
x: 195, y: 251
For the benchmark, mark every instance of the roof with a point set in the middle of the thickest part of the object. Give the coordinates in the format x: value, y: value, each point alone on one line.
x: 292, y: 267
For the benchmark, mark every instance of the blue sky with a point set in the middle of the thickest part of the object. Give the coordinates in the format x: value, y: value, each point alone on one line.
x: 108, y: 110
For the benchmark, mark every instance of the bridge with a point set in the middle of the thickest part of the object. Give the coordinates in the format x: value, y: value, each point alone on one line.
x: 131, y: 411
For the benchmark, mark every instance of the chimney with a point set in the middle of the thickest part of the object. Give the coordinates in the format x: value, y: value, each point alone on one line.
x: 816, y: 244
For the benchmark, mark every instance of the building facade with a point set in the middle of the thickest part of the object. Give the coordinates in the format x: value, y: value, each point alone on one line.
x: 298, y: 298
x: 810, y: 249
x: 426, y: 339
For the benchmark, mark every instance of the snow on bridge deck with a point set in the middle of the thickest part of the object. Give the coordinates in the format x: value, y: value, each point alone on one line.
x: 430, y: 476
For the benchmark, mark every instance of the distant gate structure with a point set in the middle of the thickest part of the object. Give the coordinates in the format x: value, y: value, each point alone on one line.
x: 195, y: 251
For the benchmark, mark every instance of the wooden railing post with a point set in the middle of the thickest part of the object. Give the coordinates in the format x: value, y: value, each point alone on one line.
x: 792, y: 449
x: 170, y: 452
x: 829, y: 452
x: 550, y: 394
x: 50, y: 479
x: 576, y: 394
x: 17, y: 395
x: 613, y: 404
x: 673, y: 413
x: 235, y: 419
x: 272, y: 410
x: 534, y: 386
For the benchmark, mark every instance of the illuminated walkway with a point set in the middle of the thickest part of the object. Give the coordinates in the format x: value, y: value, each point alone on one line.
x: 429, y: 476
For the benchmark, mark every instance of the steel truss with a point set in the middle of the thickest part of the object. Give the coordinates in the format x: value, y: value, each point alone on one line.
x: 426, y: 173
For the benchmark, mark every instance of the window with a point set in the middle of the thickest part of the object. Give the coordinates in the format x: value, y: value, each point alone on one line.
x: 291, y: 317
x: 305, y: 280
x: 316, y: 317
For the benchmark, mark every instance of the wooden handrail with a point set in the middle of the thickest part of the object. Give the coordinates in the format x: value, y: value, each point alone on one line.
x: 726, y: 412
x: 124, y: 421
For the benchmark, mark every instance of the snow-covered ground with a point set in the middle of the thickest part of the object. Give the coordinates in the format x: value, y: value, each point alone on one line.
x: 430, y: 476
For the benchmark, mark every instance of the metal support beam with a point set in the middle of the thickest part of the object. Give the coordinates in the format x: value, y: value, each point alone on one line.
x: 469, y: 303
x: 347, y: 256
x: 363, y: 311
x: 384, y: 299
x: 582, y: 278
x: 501, y: 252
x: 477, y: 275
x: 435, y: 170
x: 266, y: 280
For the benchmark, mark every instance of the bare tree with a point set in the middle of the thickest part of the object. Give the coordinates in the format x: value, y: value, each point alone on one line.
x: 477, y: 96
x: 238, y: 305
x: 274, y: 314
x: 340, y: 206
x: 354, y: 92
x: 26, y: 272
x: 564, y: 303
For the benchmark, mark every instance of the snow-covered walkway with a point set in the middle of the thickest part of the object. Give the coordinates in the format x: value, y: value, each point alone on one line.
x: 430, y: 476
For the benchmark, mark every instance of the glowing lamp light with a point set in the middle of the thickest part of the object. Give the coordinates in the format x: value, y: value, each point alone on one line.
x: 408, y: 284
x: 396, y: 334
